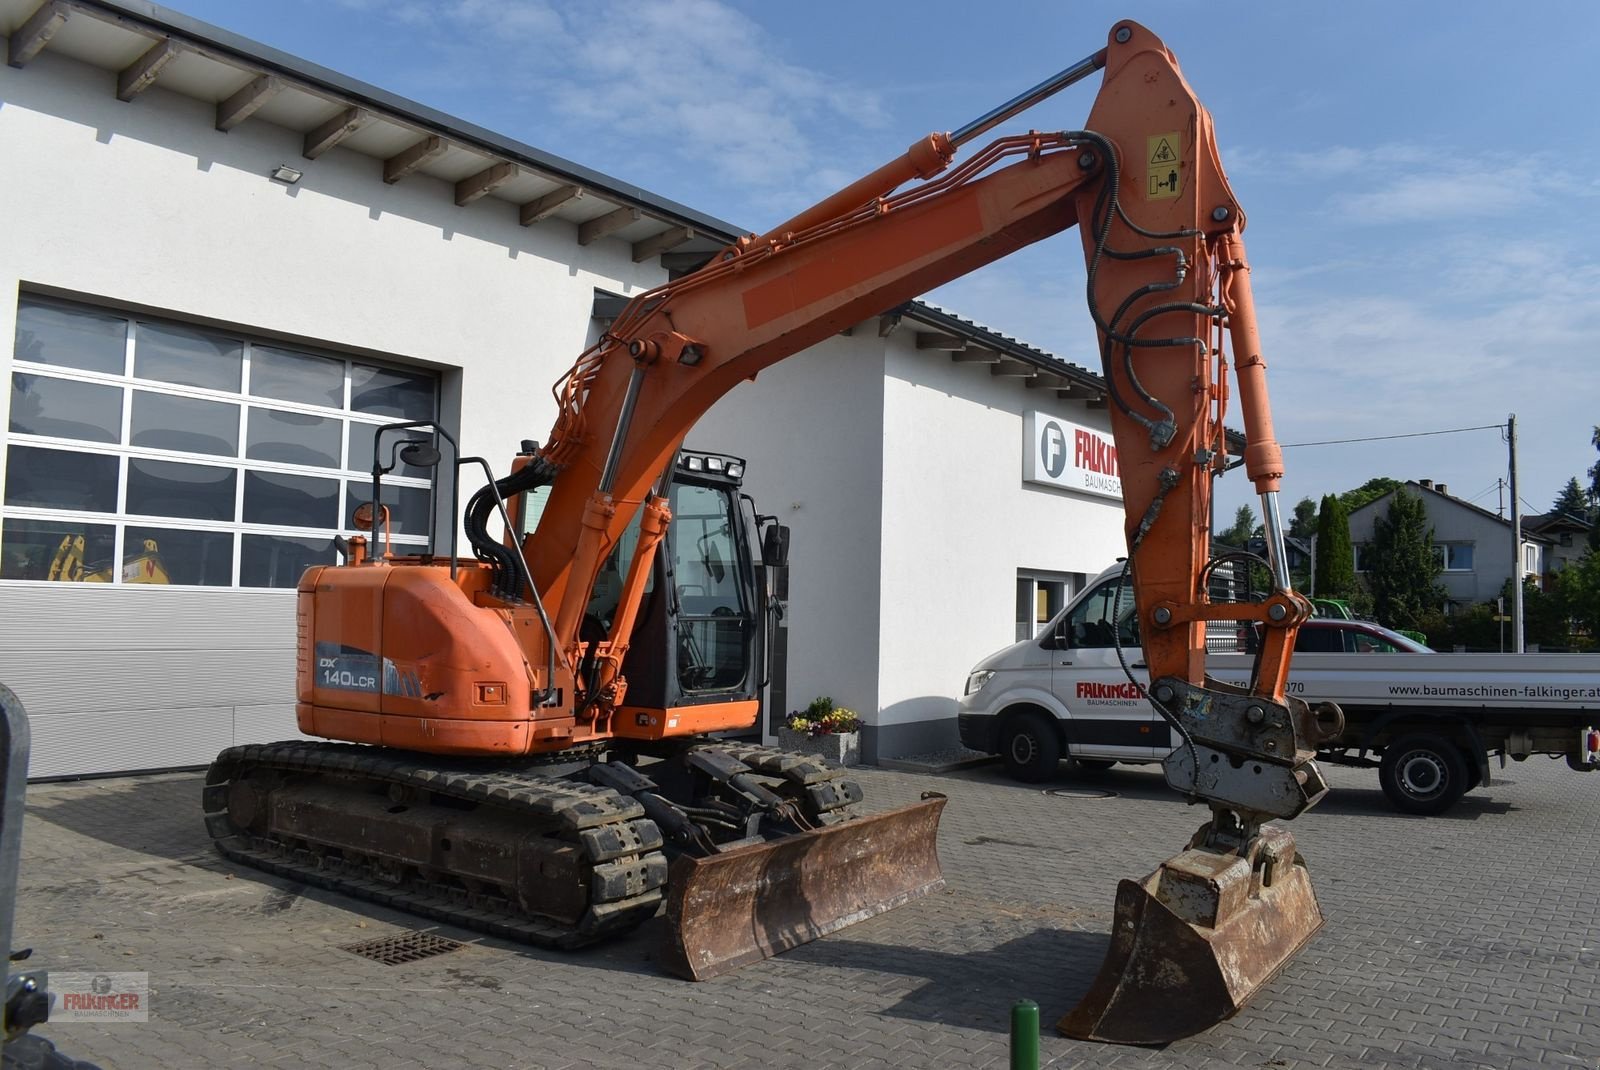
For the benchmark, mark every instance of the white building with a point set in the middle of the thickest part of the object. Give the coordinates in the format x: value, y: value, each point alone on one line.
x: 223, y: 266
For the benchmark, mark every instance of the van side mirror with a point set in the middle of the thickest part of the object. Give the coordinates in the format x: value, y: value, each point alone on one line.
x: 775, y: 546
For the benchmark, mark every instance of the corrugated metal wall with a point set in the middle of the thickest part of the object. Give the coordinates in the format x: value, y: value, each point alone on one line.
x: 120, y: 678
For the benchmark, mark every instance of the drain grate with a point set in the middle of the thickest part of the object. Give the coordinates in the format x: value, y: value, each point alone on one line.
x: 1081, y: 793
x: 402, y: 947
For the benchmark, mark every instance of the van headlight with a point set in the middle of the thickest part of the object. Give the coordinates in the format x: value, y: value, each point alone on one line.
x: 976, y: 680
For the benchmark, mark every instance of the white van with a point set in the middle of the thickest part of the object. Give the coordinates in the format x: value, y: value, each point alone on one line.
x: 1064, y: 693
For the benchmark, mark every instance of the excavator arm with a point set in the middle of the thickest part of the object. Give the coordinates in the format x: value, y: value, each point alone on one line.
x: 1167, y: 278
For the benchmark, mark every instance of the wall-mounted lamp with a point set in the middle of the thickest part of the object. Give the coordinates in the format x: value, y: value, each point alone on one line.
x: 286, y: 174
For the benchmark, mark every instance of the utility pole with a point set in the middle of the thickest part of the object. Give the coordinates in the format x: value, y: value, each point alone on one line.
x: 1516, y: 541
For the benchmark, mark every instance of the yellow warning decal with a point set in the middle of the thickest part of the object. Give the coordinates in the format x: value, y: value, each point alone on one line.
x: 1163, y: 166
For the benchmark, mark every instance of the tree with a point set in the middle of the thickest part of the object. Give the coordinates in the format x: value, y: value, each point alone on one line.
x: 1336, y: 564
x: 1594, y: 490
x: 1370, y: 491
x: 1578, y: 588
x: 1304, y: 524
x: 1244, y: 526
x: 1402, y: 569
x: 1572, y: 501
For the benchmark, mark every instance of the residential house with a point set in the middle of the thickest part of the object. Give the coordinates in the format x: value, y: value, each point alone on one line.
x: 1473, y: 543
x: 1569, y: 540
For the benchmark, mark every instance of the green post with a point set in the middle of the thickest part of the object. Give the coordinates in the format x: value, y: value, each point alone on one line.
x: 1025, y: 1035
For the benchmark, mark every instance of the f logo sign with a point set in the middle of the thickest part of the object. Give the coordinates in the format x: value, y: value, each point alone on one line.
x: 1053, y: 449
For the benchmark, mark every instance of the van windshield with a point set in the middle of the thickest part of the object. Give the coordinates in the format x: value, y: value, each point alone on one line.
x: 1098, y: 621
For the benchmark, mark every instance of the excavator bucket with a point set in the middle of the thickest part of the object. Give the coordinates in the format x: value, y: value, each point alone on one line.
x: 750, y: 903
x: 1195, y: 940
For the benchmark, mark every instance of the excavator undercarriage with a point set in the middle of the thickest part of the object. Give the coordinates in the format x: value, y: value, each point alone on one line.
x: 567, y: 855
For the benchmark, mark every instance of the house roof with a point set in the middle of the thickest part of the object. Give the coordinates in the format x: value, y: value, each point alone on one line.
x: 147, y: 45
x: 1555, y: 523
x: 1528, y: 532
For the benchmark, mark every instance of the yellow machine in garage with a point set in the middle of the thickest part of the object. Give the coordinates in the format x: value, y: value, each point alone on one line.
x: 68, y: 565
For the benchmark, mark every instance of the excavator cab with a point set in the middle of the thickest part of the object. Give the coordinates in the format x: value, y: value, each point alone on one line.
x: 698, y: 635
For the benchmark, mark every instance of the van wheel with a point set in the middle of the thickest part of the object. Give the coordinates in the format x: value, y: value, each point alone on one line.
x: 1423, y: 774
x: 1094, y: 765
x: 1031, y: 748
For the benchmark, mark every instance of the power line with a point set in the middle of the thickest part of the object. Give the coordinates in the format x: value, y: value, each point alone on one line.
x: 1385, y: 438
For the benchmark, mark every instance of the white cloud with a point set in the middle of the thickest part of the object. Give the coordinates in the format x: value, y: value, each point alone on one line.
x: 656, y: 83
x: 1410, y: 183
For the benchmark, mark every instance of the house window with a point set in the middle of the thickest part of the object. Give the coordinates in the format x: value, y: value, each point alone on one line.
x: 1040, y: 596
x: 142, y: 451
x: 1363, y: 552
x: 1454, y: 556
x: 1530, y: 558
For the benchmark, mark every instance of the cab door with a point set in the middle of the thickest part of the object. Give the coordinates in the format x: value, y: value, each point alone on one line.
x: 1108, y: 715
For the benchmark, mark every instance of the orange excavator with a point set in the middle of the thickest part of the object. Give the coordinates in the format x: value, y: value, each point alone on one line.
x: 527, y: 731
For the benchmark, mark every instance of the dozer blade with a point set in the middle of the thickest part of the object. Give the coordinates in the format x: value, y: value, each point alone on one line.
x: 753, y: 902
x: 1195, y: 940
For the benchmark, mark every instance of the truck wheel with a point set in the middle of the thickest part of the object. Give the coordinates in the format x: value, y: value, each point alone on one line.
x: 1423, y: 774
x: 1031, y: 747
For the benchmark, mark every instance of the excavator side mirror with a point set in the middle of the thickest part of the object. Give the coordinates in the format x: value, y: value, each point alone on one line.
x: 419, y: 453
x: 362, y: 519
x: 775, y: 546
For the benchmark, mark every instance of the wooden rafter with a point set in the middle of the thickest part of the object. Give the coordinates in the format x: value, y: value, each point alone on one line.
x: 548, y: 205
x: 888, y: 324
x: 30, y: 38
x: 247, y: 101
x: 975, y: 356
x: 948, y: 343
x: 484, y: 182
x: 142, y: 73
x: 408, y: 160
x: 653, y: 246
x: 333, y: 131
x: 1013, y: 369
x: 684, y: 263
x: 610, y: 223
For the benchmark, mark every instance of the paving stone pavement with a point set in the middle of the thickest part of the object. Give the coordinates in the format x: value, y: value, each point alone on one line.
x: 1468, y: 940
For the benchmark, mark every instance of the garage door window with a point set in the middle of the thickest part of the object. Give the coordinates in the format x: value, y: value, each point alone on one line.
x: 145, y: 451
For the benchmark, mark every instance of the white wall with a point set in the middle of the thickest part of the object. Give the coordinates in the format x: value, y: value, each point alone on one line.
x: 810, y: 428
x: 146, y: 204
x: 900, y: 473
x: 959, y: 522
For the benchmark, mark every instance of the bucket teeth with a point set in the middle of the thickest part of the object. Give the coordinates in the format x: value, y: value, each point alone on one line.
x: 1194, y: 941
x: 750, y: 903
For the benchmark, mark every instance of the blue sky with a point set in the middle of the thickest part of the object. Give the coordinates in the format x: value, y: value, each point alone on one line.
x: 1422, y: 181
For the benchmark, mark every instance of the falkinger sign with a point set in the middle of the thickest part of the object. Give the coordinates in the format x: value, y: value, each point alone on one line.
x: 1063, y: 454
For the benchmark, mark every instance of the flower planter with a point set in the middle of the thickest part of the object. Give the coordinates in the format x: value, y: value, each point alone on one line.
x: 841, y: 747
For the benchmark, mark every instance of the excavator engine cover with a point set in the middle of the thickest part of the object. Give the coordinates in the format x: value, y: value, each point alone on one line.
x: 752, y: 902
x: 1192, y: 942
